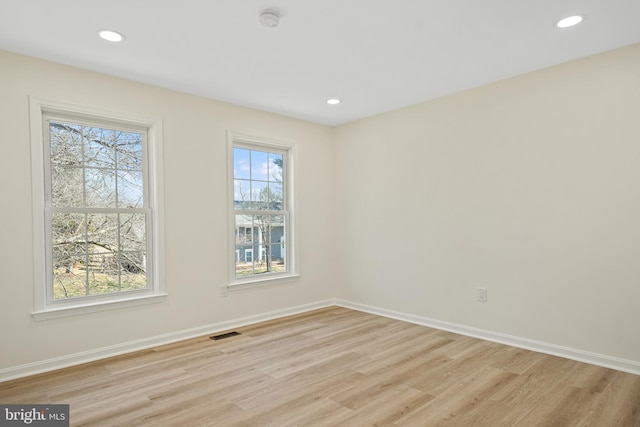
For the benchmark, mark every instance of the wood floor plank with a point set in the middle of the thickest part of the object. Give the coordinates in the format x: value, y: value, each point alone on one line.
x: 459, y: 398
x: 325, y: 413
x: 336, y: 367
x: 515, y: 360
x: 618, y: 404
x: 566, y: 411
x: 374, y: 411
x: 321, y: 378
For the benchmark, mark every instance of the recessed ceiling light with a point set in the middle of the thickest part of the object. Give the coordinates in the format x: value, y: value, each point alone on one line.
x: 110, y: 35
x: 569, y: 21
x: 334, y: 101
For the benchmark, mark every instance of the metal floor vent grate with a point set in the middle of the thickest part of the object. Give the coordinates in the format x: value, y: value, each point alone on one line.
x: 227, y: 335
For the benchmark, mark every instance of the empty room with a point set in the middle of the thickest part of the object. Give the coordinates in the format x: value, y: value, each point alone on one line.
x: 320, y: 213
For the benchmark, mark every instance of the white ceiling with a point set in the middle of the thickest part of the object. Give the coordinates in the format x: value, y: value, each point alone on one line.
x: 375, y: 55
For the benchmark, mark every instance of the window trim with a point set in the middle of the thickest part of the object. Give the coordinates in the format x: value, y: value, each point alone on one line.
x: 237, y: 139
x: 43, y: 309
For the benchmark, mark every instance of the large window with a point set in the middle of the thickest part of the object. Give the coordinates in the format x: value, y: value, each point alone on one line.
x: 99, y: 210
x: 262, y: 214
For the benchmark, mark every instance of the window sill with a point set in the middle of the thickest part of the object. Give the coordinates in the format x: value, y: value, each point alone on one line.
x: 260, y: 282
x: 78, y: 309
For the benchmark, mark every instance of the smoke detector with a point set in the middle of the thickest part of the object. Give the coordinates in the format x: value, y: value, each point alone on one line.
x: 269, y: 18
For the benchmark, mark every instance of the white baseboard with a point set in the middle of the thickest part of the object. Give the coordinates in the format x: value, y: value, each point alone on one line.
x: 14, y: 372
x: 619, y: 364
x: 624, y: 365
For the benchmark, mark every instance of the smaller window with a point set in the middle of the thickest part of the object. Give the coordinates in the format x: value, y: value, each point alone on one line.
x: 261, y: 209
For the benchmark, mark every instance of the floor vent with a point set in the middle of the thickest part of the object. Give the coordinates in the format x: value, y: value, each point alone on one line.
x: 222, y: 336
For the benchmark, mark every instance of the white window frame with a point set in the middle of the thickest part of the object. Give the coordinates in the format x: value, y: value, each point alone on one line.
x: 241, y: 140
x: 44, y: 305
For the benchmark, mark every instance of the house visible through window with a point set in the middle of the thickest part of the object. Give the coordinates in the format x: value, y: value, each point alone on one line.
x: 261, y: 210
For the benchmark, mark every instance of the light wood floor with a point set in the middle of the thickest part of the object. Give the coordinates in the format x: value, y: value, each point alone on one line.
x: 336, y: 367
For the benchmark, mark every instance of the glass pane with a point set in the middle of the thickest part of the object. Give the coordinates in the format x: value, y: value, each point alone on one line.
x: 129, y: 151
x: 241, y: 163
x: 66, y: 259
x: 133, y: 270
x: 102, y: 232
x: 99, y: 147
x: 65, y: 144
x: 259, y: 195
x: 265, y: 253
x: 69, y: 272
x: 103, y: 273
x: 276, y: 196
x: 100, y: 187
x: 241, y: 194
x: 68, y: 230
x: 132, y: 281
x: 244, y: 229
x: 244, y: 260
x: 275, y: 167
x: 130, y: 189
x: 66, y: 285
x: 133, y: 232
x: 67, y: 187
x: 264, y: 261
x: 277, y: 242
x: 277, y: 229
x: 259, y: 165
x: 277, y: 258
x: 261, y: 224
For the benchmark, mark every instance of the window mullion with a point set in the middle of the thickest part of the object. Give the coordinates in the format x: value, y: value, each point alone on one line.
x: 258, y: 212
x: 118, y: 252
x: 86, y: 253
x: 100, y: 210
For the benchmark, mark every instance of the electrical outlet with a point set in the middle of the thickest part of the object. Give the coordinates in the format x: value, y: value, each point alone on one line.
x: 482, y: 294
x: 224, y: 291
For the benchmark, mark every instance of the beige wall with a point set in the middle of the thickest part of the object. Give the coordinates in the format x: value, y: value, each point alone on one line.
x: 195, y: 212
x: 529, y: 187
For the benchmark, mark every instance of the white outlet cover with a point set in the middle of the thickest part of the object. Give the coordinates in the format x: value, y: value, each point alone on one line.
x: 482, y: 294
x: 224, y: 291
